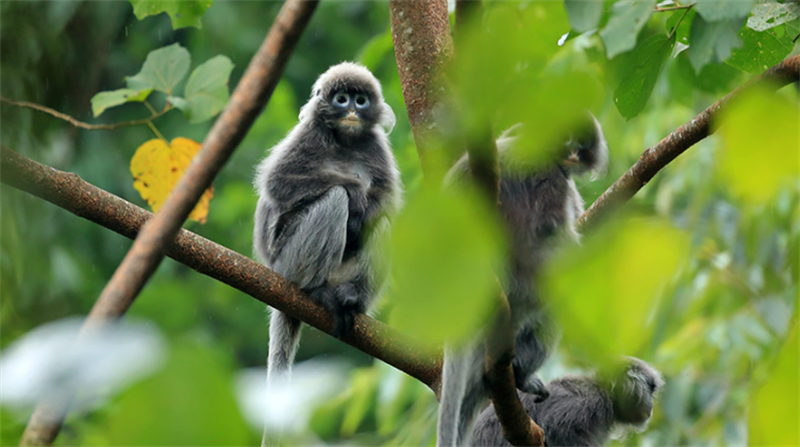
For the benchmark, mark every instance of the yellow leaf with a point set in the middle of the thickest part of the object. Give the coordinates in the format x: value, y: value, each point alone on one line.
x: 157, y: 166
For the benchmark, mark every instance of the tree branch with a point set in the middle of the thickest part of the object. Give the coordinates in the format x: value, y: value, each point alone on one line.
x: 422, y: 46
x: 655, y: 158
x: 70, y: 192
x: 247, y: 101
x: 81, y: 124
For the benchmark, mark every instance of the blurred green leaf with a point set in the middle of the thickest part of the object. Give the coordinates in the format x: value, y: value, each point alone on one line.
x: 760, y: 50
x: 615, y: 276
x: 627, y: 19
x: 364, y: 386
x: 190, y: 402
x: 713, y: 41
x: 716, y: 10
x: 584, y: 15
x: 641, y: 74
x: 775, y: 408
x: 761, y: 132
x: 510, y: 44
x: 163, y: 69
x: 376, y: 50
x: 550, y: 107
x: 105, y: 100
x: 183, y: 13
x: 445, y: 246
x: 771, y: 14
x: 207, y: 90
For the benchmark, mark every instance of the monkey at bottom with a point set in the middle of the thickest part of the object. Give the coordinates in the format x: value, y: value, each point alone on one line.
x: 583, y: 410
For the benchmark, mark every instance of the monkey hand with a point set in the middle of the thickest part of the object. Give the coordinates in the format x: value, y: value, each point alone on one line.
x: 357, y: 198
x: 348, y: 302
x: 535, y: 386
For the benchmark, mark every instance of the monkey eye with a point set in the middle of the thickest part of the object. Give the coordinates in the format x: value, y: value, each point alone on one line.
x: 362, y: 101
x: 341, y: 99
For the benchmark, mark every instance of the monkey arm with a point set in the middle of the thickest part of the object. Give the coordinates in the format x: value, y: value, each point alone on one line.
x: 310, y: 246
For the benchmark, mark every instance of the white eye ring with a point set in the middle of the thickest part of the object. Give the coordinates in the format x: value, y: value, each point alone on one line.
x: 362, y: 101
x: 341, y: 99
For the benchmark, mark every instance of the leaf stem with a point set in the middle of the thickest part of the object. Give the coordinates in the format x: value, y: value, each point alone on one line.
x: 155, y: 131
x: 679, y: 21
x: 150, y: 108
x: 76, y: 123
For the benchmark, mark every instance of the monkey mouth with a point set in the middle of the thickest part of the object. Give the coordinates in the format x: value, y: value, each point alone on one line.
x: 350, y: 121
x: 572, y: 161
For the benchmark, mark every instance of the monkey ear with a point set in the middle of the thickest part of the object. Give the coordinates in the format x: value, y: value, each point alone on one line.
x: 309, y: 109
x: 388, y: 119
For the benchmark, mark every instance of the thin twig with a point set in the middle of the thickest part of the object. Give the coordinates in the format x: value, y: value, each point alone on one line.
x: 247, y: 101
x: 80, y: 124
x: 655, y: 158
x: 673, y: 8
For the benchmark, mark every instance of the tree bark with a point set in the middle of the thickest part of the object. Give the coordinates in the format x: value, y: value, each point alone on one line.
x: 422, y: 47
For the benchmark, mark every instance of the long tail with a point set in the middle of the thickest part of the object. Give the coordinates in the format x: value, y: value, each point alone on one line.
x: 284, y: 338
x: 464, y: 394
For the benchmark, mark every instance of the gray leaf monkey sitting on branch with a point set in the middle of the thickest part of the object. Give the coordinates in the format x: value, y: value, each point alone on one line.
x: 539, y: 205
x: 584, y: 410
x: 326, y: 193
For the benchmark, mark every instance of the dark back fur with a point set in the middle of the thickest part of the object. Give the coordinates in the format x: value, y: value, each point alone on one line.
x: 583, y: 411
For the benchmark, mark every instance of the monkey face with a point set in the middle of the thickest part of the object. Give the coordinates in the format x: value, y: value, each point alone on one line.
x: 351, y: 110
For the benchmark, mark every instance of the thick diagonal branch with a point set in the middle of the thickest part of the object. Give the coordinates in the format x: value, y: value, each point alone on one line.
x: 72, y: 193
x: 247, y: 101
x: 655, y: 158
x: 422, y: 46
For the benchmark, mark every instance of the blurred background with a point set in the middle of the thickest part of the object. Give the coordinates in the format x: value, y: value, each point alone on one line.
x: 713, y: 321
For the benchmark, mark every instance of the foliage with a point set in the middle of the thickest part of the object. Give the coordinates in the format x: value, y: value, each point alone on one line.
x: 184, y: 13
x: 709, y: 265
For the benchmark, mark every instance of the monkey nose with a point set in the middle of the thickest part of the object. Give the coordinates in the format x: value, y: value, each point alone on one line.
x: 351, y: 115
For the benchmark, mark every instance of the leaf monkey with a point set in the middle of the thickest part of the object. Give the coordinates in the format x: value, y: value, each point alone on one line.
x: 326, y: 193
x: 539, y: 205
x: 584, y: 410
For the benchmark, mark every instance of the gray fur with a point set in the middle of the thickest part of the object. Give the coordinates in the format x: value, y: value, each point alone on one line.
x: 584, y: 410
x: 326, y: 194
x: 540, y: 207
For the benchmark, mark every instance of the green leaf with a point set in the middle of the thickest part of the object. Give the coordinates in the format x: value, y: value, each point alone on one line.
x: 760, y: 50
x: 713, y: 41
x: 774, y: 409
x: 770, y: 15
x: 376, y: 50
x: 643, y: 68
x: 163, y: 69
x: 584, y: 15
x: 206, y: 91
x: 444, y: 247
x: 614, y: 276
x: 761, y: 133
x: 627, y: 19
x: 183, y: 13
x: 190, y: 402
x: 716, y: 10
x: 684, y: 26
x: 106, y: 100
